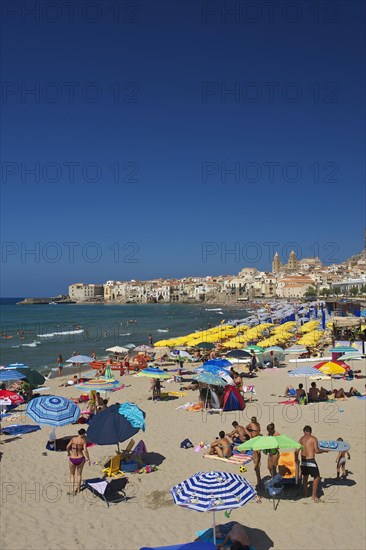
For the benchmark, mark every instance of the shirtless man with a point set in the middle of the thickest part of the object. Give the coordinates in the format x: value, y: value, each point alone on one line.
x: 308, y: 463
x: 239, y: 432
x: 313, y: 393
x: 220, y: 447
x: 236, y: 537
x: 254, y: 429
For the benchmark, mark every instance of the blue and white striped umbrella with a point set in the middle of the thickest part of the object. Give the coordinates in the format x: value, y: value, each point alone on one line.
x: 53, y: 410
x: 211, y: 491
x: 10, y: 374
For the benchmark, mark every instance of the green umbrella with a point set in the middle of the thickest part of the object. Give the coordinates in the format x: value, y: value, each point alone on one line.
x: 265, y: 442
x: 205, y: 345
x: 258, y: 349
x: 32, y: 376
x: 268, y: 442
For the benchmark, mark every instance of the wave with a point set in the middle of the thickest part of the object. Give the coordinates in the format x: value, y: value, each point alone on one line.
x: 214, y: 309
x: 162, y: 330
x: 61, y: 333
x: 32, y: 345
x: 126, y: 334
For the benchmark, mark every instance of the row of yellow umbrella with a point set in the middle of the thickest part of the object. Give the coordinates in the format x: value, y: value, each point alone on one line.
x: 232, y: 337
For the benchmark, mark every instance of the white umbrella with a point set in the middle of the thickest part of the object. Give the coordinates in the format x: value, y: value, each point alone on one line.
x: 118, y: 349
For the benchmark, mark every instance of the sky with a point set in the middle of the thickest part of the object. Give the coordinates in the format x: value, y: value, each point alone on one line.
x: 173, y: 138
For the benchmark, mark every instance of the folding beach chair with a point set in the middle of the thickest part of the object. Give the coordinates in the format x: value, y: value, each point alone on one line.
x: 109, y: 491
x: 113, y: 469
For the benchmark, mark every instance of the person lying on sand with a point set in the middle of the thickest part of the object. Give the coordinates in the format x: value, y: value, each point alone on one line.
x: 192, y: 386
x: 234, y: 535
x: 221, y: 446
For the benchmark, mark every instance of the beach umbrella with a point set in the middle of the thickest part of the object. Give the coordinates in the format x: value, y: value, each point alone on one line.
x: 343, y: 349
x: 212, y: 491
x: 99, y: 384
x: 222, y: 363
x: 181, y: 353
x: 118, y: 349
x: 258, y: 349
x: 32, y: 376
x: 238, y: 354
x: 331, y: 368
x: 53, y: 410
x: 269, y: 442
x: 12, y: 397
x: 80, y: 359
x: 295, y: 350
x: 210, y: 379
x: 11, y: 374
x: 349, y: 356
x: 153, y: 372
x: 17, y: 366
x: 303, y: 371
x: 205, y: 345
x: 145, y: 349
x: 110, y: 427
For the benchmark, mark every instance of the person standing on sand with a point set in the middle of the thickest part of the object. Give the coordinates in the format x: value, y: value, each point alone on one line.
x: 150, y: 340
x: 308, y: 463
x: 60, y: 364
x: 77, y: 453
x: 253, y: 429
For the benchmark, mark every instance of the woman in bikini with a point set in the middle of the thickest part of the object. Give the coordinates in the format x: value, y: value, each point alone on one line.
x: 253, y: 430
x: 77, y: 454
x: 272, y: 454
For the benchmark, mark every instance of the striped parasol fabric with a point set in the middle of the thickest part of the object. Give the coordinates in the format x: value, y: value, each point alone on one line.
x: 53, y: 410
x: 210, y: 379
x: 154, y: 372
x: 211, y: 491
x: 10, y: 374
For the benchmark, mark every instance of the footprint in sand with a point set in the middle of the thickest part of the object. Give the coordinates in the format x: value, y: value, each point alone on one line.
x: 159, y: 499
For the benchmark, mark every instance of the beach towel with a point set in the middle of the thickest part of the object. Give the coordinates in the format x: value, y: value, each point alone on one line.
x: 140, y: 448
x: 236, y: 458
x: 133, y: 414
x: 361, y: 396
x: 289, y: 402
x: 17, y: 429
x: 177, y: 393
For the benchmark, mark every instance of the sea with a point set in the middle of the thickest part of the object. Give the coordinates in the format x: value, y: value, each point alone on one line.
x: 36, y: 334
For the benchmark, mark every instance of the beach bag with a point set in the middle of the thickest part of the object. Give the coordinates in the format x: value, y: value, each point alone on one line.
x: 186, y: 444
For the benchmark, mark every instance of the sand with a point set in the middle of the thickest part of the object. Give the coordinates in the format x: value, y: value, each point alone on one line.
x: 37, y: 513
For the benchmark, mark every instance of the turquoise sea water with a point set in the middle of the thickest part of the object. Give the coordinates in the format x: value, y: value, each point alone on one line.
x: 103, y: 326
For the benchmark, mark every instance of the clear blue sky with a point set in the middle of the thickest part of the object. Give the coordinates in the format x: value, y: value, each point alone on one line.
x: 174, y: 96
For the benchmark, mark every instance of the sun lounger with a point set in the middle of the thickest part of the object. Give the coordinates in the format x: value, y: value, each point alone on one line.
x: 110, y: 492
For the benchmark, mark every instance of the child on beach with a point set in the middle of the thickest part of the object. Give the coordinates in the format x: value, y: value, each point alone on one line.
x: 341, y: 461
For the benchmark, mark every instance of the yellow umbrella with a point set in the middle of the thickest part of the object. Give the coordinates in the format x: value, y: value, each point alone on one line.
x: 331, y: 368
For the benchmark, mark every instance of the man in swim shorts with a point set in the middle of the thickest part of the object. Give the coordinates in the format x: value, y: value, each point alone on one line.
x: 309, y: 466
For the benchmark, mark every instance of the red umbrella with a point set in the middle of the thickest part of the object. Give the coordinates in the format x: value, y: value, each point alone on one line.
x: 339, y: 363
x: 14, y: 397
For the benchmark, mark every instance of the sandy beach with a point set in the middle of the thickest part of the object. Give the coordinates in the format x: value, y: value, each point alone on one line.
x: 37, y: 513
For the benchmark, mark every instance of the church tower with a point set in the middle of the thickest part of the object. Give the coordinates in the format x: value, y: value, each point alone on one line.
x: 276, y: 263
x: 293, y: 262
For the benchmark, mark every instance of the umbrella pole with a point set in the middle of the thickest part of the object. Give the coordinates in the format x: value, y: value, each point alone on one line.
x: 214, y: 528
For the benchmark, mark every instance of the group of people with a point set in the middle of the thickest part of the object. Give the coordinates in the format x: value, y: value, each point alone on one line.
x: 225, y: 442
x: 316, y: 395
